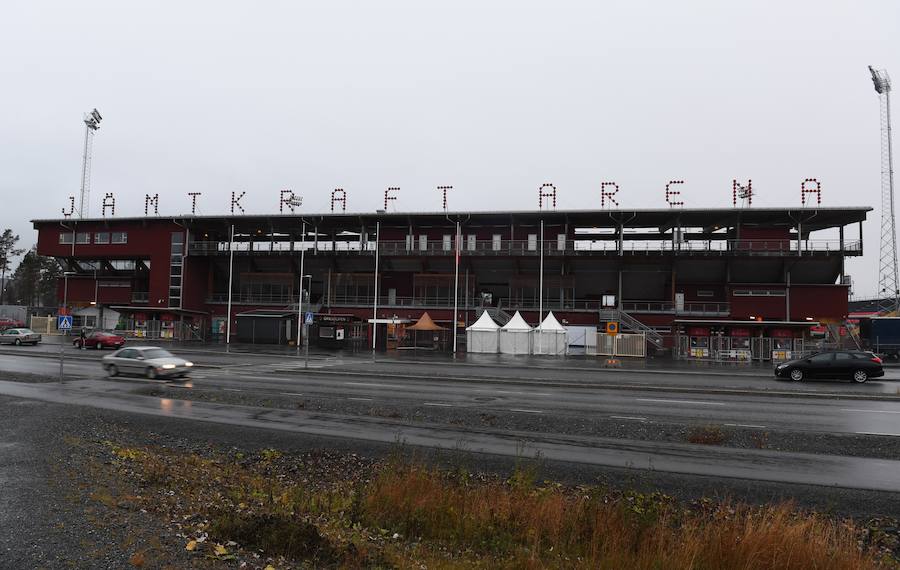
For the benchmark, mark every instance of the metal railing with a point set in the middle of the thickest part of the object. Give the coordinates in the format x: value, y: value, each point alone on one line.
x: 528, y: 247
x: 668, y: 307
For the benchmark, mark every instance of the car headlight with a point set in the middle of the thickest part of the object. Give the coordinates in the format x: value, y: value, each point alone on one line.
x: 188, y: 363
x: 168, y: 366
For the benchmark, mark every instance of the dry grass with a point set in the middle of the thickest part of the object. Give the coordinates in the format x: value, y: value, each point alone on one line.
x: 547, y: 528
x: 707, y: 435
x: 451, y: 520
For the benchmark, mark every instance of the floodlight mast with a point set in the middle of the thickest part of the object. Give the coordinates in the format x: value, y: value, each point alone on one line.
x: 91, y: 125
x: 888, y: 282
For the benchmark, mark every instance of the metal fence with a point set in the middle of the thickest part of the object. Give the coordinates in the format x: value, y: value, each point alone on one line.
x: 625, y: 344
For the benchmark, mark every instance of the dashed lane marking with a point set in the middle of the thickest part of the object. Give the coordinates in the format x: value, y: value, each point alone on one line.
x: 441, y: 404
x: 697, y: 402
x: 745, y: 425
x: 629, y: 418
x: 291, y: 393
x: 361, y: 399
x: 526, y: 411
x: 871, y: 411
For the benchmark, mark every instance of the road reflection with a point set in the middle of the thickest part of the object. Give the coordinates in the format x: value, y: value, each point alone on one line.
x: 169, y: 405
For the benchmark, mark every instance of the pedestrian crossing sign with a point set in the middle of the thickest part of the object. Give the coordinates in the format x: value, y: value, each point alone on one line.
x: 64, y: 322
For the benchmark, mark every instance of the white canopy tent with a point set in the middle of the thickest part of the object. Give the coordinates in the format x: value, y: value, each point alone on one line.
x: 550, y: 337
x: 483, y: 335
x: 515, y: 336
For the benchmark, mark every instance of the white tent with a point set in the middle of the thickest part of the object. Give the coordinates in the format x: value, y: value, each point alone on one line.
x: 515, y: 336
x: 550, y: 337
x: 483, y: 335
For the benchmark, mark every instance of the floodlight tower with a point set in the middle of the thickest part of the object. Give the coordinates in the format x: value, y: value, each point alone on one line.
x: 889, y: 297
x: 91, y: 125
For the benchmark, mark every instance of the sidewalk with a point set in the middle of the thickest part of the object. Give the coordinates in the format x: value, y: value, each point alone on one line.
x: 571, y: 362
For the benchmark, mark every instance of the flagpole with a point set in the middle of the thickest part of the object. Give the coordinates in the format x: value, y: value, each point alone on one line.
x: 375, y: 303
x: 456, y: 291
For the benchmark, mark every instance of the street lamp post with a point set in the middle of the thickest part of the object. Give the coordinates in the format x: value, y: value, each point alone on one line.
x: 305, y: 324
x: 62, y: 341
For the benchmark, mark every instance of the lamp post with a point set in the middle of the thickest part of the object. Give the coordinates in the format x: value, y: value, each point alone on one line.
x: 65, y: 306
x: 305, y: 324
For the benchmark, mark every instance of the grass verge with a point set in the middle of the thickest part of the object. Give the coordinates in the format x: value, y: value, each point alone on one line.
x: 404, y: 514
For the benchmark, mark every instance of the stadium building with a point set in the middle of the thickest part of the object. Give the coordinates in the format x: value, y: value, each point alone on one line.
x: 696, y: 282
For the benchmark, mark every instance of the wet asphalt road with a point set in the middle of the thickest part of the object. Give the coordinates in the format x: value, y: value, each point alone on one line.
x: 739, y: 401
x: 736, y: 399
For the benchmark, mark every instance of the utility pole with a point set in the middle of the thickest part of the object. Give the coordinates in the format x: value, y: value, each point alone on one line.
x: 888, y: 282
x: 91, y: 125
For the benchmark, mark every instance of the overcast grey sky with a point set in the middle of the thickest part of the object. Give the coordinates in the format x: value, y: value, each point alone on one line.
x: 493, y: 98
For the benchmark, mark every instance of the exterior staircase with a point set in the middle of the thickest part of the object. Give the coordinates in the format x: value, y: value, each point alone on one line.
x: 500, y: 316
x: 627, y: 323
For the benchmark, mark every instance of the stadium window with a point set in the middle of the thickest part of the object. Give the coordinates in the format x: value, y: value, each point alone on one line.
x: 532, y: 242
x: 561, y: 242
x: 65, y: 238
x: 120, y: 237
x: 496, y: 240
x: 101, y: 238
x: 423, y: 242
x: 448, y: 242
x: 705, y: 293
x: 473, y: 241
x: 83, y: 238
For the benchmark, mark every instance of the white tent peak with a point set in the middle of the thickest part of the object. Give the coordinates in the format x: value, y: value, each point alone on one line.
x: 517, y: 323
x: 551, y: 324
x: 484, y: 323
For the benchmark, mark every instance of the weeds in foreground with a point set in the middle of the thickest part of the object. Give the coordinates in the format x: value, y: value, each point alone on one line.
x: 406, y: 514
x: 707, y: 435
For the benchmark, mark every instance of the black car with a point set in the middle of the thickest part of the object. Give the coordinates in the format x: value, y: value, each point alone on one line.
x: 856, y: 365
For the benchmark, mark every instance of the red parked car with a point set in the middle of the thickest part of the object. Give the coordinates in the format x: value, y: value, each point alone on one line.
x: 100, y: 340
x: 7, y: 323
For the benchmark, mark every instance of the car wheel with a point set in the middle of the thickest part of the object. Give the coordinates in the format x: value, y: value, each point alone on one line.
x: 796, y: 375
x: 151, y: 373
x: 860, y: 376
x: 18, y: 342
x: 98, y: 346
x: 113, y: 370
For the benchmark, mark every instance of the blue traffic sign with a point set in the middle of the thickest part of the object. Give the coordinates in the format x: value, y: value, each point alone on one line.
x: 64, y: 322
x: 309, y: 318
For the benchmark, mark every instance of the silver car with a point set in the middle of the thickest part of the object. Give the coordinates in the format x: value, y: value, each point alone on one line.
x: 150, y: 361
x: 19, y: 337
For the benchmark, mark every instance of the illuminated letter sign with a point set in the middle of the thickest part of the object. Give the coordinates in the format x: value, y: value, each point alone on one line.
x: 742, y: 192
x: 551, y: 194
x: 671, y: 193
x: 193, y: 196
x: 109, y: 201
x: 287, y: 198
x: 71, y: 207
x: 387, y: 196
x: 444, y: 190
x: 342, y: 199
x: 148, y: 200
x: 236, y: 202
x: 604, y: 195
x: 804, y: 191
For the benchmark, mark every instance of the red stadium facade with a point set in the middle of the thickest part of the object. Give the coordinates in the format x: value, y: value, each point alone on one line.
x: 673, y: 273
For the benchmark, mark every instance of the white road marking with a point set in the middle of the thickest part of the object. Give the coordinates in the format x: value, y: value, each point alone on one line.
x: 681, y: 402
x: 526, y: 411
x: 290, y: 393
x: 375, y: 385
x: 232, y: 389
x: 871, y: 411
x: 437, y: 404
x: 628, y: 418
x: 516, y: 393
x: 878, y: 433
x: 745, y: 425
x: 361, y: 399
